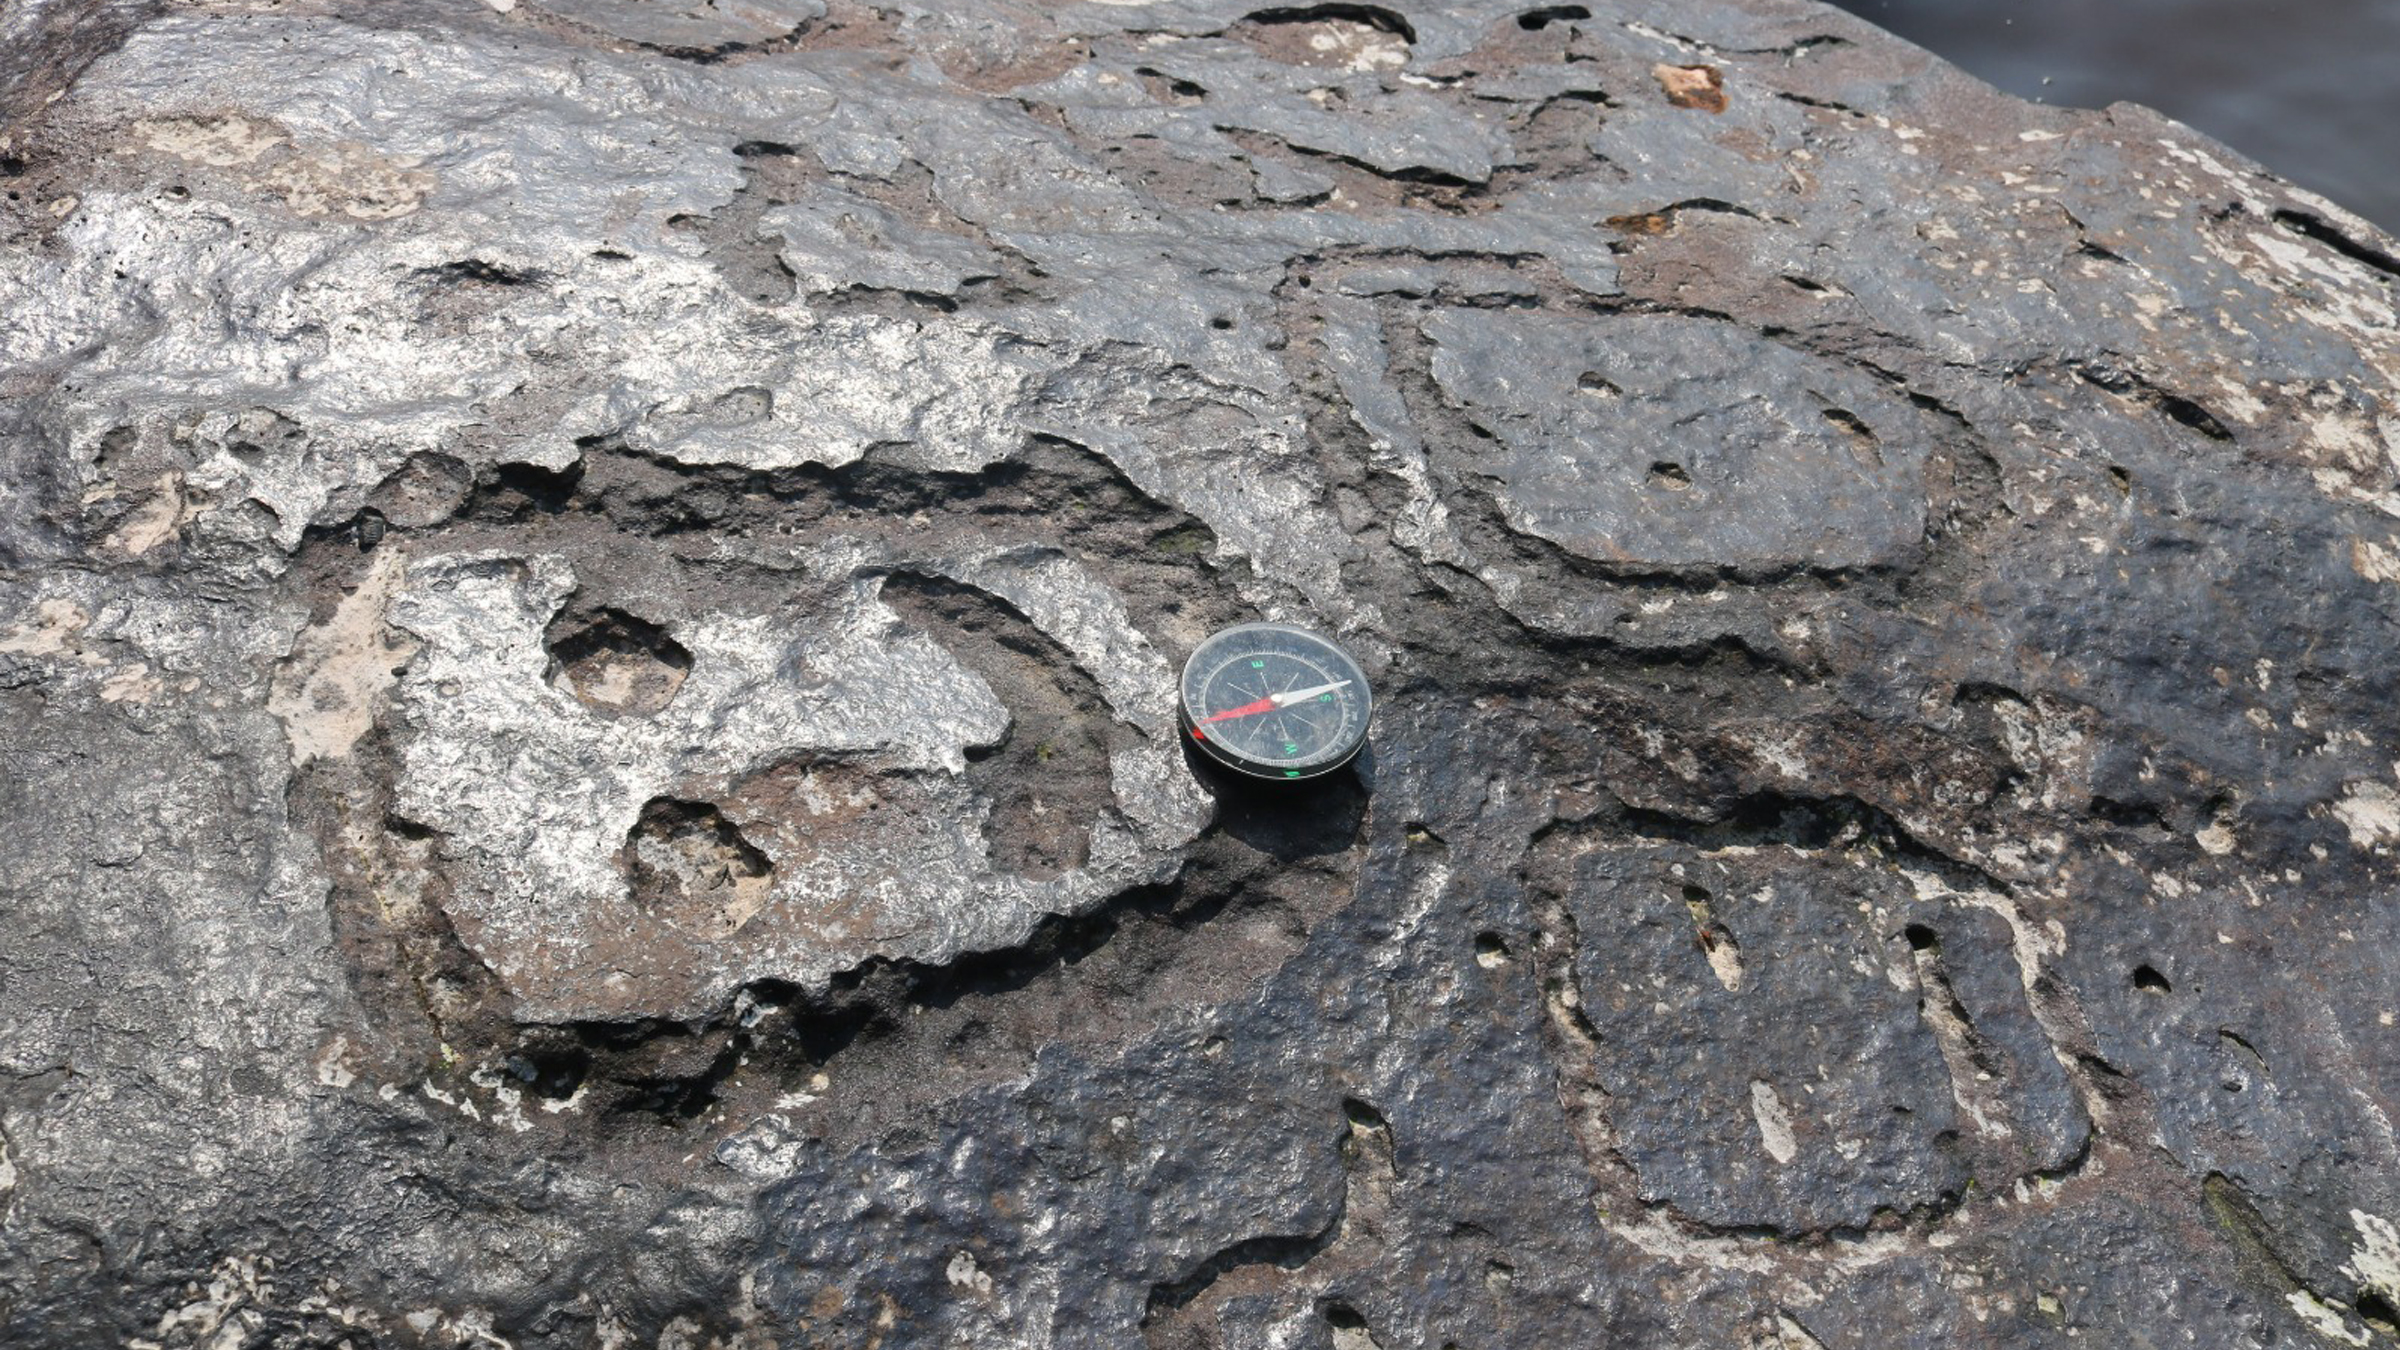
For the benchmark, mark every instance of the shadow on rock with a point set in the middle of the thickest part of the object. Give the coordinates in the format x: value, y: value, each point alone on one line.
x: 1290, y: 822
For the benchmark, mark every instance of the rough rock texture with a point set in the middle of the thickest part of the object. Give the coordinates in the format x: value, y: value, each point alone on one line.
x: 589, y: 591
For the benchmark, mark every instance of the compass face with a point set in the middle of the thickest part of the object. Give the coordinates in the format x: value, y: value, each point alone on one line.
x: 1272, y: 701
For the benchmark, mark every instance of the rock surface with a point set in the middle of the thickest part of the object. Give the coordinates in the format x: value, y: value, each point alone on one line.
x: 587, y: 599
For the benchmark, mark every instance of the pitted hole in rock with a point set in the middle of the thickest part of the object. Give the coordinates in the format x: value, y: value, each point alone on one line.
x: 2145, y: 821
x: 2227, y: 1036
x: 1169, y: 89
x: 1349, y: 1326
x: 414, y: 831
x: 461, y: 296
x: 617, y: 663
x: 667, y: 1073
x: 2378, y: 1313
x: 1362, y: 1115
x: 2245, y: 1061
x: 745, y: 403
x: 2175, y: 407
x: 1491, y: 951
x: 1671, y: 476
x: 1714, y: 938
x: 2148, y: 979
x: 515, y: 492
x: 1593, y: 383
x: 551, y: 1072
x: 1535, y: 20
x: 1366, y: 16
x: 115, y: 445
x: 838, y: 1021
x: 1862, y: 437
x: 1499, y: 1278
x: 1048, y: 778
x: 477, y: 272
x: 1251, y: 1257
x: 691, y: 867
x: 1976, y: 1066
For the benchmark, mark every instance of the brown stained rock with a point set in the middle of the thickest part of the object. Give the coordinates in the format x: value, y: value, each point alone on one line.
x: 1701, y: 87
x: 1333, y: 37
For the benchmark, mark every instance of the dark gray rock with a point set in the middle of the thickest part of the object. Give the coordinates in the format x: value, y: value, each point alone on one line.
x: 588, y: 594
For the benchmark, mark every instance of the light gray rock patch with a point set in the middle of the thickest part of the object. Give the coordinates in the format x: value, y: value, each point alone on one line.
x: 537, y: 795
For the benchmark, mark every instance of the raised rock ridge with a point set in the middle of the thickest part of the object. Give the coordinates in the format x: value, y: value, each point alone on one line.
x: 586, y: 638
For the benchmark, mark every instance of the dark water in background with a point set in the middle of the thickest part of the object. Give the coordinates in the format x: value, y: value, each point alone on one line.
x: 2309, y: 88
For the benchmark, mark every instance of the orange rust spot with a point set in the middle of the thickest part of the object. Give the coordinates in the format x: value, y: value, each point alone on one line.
x: 1655, y: 222
x: 1701, y: 87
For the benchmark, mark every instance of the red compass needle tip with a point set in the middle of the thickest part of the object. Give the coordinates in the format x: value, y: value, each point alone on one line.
x: 1263, y: 705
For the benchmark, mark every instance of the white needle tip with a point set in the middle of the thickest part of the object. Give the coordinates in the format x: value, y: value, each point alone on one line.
x: 1292, y: 696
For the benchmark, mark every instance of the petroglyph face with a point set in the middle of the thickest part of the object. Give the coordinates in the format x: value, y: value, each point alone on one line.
x: 804, y: 799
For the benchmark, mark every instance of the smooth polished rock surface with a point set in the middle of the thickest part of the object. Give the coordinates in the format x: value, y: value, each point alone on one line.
x: 588, y: 599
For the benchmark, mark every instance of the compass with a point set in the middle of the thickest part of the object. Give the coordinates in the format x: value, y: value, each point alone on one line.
x: 1268, y: 700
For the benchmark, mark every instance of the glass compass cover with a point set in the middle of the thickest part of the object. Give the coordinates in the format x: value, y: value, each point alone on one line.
x: 1269, y: 700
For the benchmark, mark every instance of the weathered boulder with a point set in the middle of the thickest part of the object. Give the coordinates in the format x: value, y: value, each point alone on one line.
x: 588, y: 599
